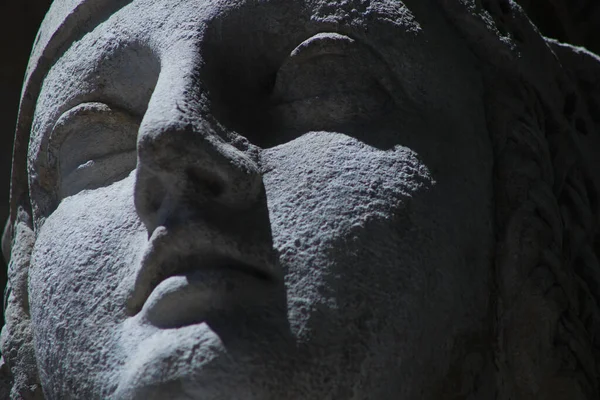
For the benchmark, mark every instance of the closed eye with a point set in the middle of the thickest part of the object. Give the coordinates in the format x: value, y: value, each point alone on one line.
x: 97, y: 173
x: 327, y: 81
x: 93, y: 145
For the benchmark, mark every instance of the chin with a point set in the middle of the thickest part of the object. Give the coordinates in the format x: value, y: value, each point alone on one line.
x: 211, y: 383
x: 199, y: 361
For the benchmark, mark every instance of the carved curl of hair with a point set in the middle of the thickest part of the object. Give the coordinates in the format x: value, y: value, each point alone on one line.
x: 547, y: 212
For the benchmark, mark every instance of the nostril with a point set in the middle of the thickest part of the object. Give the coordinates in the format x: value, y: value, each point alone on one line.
x: 204, y: 183
x: 268, y: 83
x: 156, y: 195
x: 150, y: 194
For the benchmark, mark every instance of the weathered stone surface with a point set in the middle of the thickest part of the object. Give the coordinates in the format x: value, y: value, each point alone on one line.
x: 303, y: 199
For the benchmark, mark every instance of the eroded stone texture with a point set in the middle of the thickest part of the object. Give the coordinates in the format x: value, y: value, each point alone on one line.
x: 303, y: 200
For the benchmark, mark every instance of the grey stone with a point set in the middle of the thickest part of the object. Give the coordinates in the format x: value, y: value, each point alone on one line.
x: 303, y: 200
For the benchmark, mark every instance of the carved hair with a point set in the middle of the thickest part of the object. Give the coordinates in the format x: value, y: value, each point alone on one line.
x: 547, y: 211
x: 547, y: 289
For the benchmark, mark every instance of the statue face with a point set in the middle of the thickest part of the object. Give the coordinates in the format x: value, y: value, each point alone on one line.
x: 284, y: 199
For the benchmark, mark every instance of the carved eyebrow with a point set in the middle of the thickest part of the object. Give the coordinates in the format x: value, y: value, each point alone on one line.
x: 358, y: 14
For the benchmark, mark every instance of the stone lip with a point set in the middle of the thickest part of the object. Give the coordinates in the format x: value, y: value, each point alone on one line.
x: 196, y: 269
x: 191, y: 298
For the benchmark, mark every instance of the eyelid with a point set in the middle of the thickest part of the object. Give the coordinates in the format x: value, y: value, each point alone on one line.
x: 321, y: 44
x: 91, y: 110
x: 352, y: 53
x: 81, y: 133
x: 331, y: 81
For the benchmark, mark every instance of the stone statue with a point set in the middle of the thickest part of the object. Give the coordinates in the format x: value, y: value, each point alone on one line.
x: 303, y: 199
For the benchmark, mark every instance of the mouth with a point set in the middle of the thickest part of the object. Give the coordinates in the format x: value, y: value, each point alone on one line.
x: 181, y: 285
x: 191, y: 298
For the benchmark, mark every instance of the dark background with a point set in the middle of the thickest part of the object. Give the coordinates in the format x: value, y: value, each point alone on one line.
x: 573, y: 21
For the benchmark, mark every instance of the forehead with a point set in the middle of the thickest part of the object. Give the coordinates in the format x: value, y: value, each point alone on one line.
x: 119, y: 59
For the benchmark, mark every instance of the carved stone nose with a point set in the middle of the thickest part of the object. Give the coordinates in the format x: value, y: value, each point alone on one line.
x: 186, y: 169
